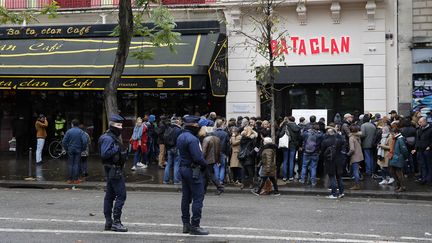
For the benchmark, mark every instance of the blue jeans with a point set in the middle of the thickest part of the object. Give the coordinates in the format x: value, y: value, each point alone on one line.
x: 425, y: 159
x: 219, y: 170
x: 312, y: 161
x: 285, y: 153
x: 355, y: 167
x: 74, y: 160
x: 292, y: 153
x: 369, y: 161
x: 172, y: 161
x: 137, y: 156
x: 333, y: 180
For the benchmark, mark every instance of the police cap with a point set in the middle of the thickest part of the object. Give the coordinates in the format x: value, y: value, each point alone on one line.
x: 191, y: 120
x: 116, y: 118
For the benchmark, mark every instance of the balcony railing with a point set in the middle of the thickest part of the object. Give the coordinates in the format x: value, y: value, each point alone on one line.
x: 85, y: 4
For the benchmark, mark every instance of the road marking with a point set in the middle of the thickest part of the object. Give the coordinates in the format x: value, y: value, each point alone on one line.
x: 209, y: 227
x: 231, y: 236
x: 415, y: 238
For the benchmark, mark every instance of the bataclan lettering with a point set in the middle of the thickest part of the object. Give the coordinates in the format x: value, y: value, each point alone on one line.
x: 5, y: 83
x: 41, y: 46
x: 79, y: 84
x: 7, y: 47
x: 33, y: 83
x: 311, y: 46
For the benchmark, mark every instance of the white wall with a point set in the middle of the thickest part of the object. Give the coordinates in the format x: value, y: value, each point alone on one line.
x: 368, y: 47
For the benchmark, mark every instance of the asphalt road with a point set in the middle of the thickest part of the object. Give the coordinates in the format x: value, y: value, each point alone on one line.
x: 33, y: 215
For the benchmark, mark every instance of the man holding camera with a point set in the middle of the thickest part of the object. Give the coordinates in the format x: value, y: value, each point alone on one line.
x: 114, y: 156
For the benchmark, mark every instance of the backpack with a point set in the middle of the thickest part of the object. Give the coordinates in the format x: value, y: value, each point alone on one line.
x: 330, y: 153
x: 169, y: 137
x: 311, y: 144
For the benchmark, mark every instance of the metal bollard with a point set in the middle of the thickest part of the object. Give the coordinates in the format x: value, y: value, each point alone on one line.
x: 30, y: 162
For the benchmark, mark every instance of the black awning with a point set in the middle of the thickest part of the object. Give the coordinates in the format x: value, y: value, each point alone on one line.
x: 350, y: 73
x: 86, y: 63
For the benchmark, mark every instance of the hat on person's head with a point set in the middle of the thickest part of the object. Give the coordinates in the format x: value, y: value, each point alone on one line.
x: 361, y: 117
x: 347, y: 115
x: 174, y: 119
x: 329, y: 127
x: 116, y: 118
x: 377, y: 116
x: 41, y: 115
x: 267, y: 140
x: 202, y: 122
x: 393, y: 112
x: 191, y: 120
x: 152, y: 118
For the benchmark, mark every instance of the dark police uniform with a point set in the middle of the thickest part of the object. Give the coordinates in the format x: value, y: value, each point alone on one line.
x: 192, y: 171
x: 113, y: 155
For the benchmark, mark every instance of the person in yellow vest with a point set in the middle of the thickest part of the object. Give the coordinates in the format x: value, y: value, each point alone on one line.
x: 60, y: 125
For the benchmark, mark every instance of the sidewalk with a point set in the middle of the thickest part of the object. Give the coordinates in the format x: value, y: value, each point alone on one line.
x: 53, y: 174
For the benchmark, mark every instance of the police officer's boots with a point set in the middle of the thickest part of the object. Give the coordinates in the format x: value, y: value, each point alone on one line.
x: 186, y: 228
x: 108, y: 224
x: 198, y: 231
x: 118, y: 226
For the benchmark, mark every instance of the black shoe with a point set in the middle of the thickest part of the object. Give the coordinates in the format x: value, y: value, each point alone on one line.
x: 186, y: 228
x: 276, y: 194
x: 218, y: 192
x: 255, y: 192
x: 108, y: 224
x: 198, y: 231
x: 118, y: 226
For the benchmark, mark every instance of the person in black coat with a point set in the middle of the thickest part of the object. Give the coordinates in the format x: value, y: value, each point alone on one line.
x: 331, y: 148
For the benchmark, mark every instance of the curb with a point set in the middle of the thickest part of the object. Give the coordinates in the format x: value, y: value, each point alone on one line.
x: 298, y: 191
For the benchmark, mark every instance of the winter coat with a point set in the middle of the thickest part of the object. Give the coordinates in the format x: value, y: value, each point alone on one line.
x: 224, y: 140
x: 247, y: 144
x: 386, y: 144
x: 355, y: 149
x: 211, y: 149
x: 75, y: 141
x: 336, y: 165
x: 86, y: 152
x: 235, y: 148
x: 267, y: 156
x: 424, y: 138
x: 400, y: 153
x: 368, y: 131
x: 140, y: 140
x: 41, y: 129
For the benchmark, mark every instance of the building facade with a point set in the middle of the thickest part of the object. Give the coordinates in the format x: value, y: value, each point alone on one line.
x: 340, y: 56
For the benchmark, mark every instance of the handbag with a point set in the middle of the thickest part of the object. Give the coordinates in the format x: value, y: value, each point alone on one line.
x: 284, y: 141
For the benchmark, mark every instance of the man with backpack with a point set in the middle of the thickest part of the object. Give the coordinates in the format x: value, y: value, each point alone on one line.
x: 170, y: 140
x: 311, y: 148
x: 334, y: 164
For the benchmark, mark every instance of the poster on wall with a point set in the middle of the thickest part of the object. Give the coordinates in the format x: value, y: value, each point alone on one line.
x: 422, y: 81
x: 306, y: 113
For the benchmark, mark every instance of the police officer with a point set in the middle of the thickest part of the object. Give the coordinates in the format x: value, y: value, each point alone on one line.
x: 114, y: 156
x: 192, y: 171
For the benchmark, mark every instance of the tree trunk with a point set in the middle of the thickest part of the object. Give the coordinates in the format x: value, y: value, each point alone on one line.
x: 125, y: 36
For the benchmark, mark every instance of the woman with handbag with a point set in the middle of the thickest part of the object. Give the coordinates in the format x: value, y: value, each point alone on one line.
x: 246, y: 156
x: 235, y: 165
x: 399, y: 153
x: 138, y: 142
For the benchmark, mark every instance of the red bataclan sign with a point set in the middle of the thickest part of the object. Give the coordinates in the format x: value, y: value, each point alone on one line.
x: 312, y: 46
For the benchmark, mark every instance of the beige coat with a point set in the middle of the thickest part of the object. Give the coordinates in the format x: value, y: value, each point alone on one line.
x: 388, y: 144
x: 355, y: 151
x: 235, y: 145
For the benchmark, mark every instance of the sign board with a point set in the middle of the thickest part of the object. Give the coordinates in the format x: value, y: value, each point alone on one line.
x: 297, y: 113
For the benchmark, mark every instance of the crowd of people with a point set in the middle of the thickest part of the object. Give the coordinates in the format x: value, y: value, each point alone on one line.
x: 242, y: 152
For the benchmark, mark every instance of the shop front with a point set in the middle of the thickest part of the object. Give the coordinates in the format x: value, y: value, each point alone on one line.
x: 64, y: 69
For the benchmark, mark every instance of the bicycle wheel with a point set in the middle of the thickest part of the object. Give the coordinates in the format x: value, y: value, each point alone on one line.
x: 55, y: 149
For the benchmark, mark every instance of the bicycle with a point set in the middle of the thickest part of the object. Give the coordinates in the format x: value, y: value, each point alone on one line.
x: 55, y: 148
